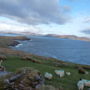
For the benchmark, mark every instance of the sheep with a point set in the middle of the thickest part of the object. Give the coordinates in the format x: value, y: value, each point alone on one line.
x: 60, y: 73
x: 68, y: 73
x: 80, y: 85
x: 86, y: 82
x: 83, y: 83
x: 48, y: 75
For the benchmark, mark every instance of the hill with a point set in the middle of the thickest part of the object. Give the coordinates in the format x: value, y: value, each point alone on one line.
x: 73, y: 37
x: 18, y: 59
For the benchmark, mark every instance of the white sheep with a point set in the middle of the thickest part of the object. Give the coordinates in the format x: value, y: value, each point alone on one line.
x: 80, y: 85
x: 60, y: 73
x: 68, y: 73
x: 48, y: 75
x: 86, y: 82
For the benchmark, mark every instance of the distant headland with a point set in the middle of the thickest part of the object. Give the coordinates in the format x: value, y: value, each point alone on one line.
x: 73, y: 37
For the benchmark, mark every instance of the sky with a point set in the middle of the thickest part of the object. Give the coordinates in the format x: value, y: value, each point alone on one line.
x: 62, y: 17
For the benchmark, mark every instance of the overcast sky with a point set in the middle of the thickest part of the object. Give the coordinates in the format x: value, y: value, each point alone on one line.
x: 64, y: 17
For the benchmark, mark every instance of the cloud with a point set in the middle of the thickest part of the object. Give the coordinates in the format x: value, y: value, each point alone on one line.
x: 9, y: 26
x: 66, y: 9
x: 86, y: 31
x: 34, y: 11
x: 87, y: 20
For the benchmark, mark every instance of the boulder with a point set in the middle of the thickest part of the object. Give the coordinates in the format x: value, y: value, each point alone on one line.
x: 2, y: 57
x: 14, y: 43
x: 81, y: 70
x: 25, y: 79
x: 2, y: 68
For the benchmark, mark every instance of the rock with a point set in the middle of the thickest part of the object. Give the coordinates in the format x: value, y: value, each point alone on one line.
x: 60, y: 64
x: 86, y: 67
x: 25, y: 79
x: 2, y: 68
x: 4, y: 74
x: 14, y: 43
x: 2, y: 57
x: 81, y: 70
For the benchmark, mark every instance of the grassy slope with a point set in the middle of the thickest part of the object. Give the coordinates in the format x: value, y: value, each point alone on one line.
x: 6, y: 41
x: 13, y: 63
x: 67, y: 82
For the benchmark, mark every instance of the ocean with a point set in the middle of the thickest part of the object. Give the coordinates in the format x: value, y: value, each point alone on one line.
x: 63, y: 49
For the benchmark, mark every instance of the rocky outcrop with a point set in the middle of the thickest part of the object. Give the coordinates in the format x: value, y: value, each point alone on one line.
x: 81, y: 70
x: 30, y: 59
x: 7, y: 41
x: 24, y: 79
x: 14, y: 43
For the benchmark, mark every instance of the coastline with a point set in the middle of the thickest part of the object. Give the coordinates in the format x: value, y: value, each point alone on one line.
x: 72, y: 37
x: 15, y: 43
x: 6, y: 42
x: 18, y: 59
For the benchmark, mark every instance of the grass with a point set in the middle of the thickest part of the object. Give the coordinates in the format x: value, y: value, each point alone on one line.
x: 67, y: 82
x: 48, y: 65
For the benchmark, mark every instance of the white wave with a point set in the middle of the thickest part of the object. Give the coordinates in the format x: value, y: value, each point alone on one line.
x: 19, y: 45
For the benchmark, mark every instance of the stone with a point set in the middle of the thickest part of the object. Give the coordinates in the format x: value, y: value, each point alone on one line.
x: 25, y: 79
x: 2, y: 57
x: 81, y: 70
x: 2, y: 68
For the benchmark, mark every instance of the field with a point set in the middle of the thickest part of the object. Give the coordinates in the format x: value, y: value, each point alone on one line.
x: 49, y: 65
x: 14, y: 62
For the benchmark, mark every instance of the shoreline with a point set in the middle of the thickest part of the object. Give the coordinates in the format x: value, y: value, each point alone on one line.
x: 20, y: 59
x: 72, y: 37
x: 18, y: 45
x: 6, y: 42
x: 15, y: 43
x: 58, y: 58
